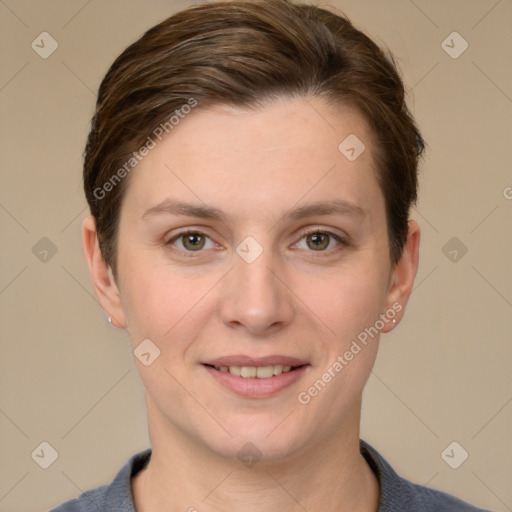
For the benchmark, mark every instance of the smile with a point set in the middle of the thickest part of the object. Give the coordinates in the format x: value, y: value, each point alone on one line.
x: 256, y: 372
x: 256, y: 377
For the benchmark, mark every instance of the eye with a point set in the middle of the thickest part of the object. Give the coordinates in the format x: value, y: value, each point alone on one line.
x: 319, y: 241
x: 192, y: 241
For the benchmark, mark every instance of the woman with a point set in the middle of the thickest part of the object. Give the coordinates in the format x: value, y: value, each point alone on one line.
x: 250, y: 170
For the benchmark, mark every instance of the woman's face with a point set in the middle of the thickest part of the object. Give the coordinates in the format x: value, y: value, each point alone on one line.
x: 251, y: 238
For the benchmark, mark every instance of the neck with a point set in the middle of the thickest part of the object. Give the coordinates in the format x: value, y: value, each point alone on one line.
x: 184, y: 475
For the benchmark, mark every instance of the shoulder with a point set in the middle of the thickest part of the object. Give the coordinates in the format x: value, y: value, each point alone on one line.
x: 432, y: 500
x: 88, y: 501
x: 114, y: 497
x: 400, y: 495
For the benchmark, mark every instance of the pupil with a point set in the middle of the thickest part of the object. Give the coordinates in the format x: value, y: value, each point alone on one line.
x: 194, y: 241
x: 318, y: 241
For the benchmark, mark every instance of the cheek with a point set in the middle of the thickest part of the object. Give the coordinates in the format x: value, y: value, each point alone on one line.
x: 163, y: 305
x: 347, y: 301
x: 348, y: 306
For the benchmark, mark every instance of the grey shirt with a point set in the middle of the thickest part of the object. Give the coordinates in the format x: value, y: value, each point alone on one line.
x: 396, y: 493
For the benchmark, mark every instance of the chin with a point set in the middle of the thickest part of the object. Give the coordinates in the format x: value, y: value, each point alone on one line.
x: 256, y: 441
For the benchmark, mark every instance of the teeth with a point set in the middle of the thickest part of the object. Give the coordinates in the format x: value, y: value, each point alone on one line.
x: 234, y: 370
x: 248, y: 372
x: 264, y: 372
x: 251, y: 372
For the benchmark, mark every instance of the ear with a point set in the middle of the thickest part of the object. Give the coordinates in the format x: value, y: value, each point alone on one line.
x: 101, y: 274
x: 402, y: 276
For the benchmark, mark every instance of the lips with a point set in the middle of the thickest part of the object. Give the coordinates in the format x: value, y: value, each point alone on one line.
x: 256, y: 368
x: 256, y: 377
x: 241, y: 360
x: 256, y: 372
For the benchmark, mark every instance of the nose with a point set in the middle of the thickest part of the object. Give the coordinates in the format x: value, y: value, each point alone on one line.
x: 255, y: 298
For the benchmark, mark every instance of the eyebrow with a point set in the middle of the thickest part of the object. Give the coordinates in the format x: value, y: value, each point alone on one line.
x: 175, y: 207
x: 333, y: 207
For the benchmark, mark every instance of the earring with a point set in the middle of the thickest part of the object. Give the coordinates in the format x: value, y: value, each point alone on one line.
x: 109, y: 318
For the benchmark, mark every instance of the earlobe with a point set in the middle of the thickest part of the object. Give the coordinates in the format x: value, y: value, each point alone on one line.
x: 101, y: 275
x: 403, y: 275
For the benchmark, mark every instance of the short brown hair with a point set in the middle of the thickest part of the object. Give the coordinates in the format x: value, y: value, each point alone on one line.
x: 243, y: 53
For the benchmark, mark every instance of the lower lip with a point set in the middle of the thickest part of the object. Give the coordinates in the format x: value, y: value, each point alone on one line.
x: 254, y: 387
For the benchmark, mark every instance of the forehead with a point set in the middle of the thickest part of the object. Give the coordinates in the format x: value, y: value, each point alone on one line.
x: 260, y: 160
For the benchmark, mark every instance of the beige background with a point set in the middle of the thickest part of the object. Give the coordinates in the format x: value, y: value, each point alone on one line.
x: 443, y: 375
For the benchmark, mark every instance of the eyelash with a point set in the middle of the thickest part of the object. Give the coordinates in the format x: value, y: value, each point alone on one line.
x: 187, y: 254
x: 341, y: 242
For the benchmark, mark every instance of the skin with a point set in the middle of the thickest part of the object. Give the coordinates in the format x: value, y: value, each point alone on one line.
x: 256, y: 166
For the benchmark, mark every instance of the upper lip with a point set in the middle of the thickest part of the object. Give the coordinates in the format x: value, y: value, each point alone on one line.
x: 242, y: 360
